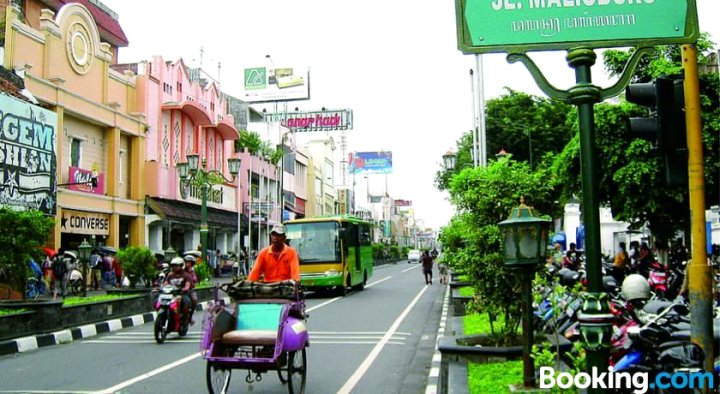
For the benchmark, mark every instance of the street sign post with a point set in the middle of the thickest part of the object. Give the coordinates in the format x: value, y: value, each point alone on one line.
x: 518, y: 26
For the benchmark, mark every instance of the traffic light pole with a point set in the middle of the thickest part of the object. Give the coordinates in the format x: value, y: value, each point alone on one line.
x: 700, y: 273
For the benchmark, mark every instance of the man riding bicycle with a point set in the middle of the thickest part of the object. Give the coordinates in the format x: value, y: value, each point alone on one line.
x: 277, y: 262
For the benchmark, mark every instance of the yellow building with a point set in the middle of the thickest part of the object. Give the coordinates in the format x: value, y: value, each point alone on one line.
x: 65, y: 57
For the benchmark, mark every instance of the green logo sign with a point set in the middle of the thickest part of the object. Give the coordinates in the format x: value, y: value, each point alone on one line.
x: 255, y: 78
x: 516, y: 26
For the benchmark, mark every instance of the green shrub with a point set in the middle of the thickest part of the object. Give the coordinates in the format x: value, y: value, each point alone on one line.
x: 202, y: 271
x: 25, y: 233
x: 138, y: 263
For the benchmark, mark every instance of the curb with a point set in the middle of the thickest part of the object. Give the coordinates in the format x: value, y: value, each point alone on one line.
x: 434, y: 374
x: 35, y: 342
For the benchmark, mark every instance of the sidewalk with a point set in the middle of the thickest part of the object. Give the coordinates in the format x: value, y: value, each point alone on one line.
x: 69, y: 334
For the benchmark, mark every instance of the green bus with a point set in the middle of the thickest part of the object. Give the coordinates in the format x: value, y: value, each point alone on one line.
x: 335, y: 252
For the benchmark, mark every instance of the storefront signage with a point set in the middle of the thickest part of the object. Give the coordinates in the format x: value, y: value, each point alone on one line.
x: 27, y: 156
x: 213, y: 195
x: 83, y: 177
x: 516, y: 26
x: 79, y: 222
x: 326, y: 120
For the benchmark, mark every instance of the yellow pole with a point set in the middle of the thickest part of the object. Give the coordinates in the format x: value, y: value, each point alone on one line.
x: 699, y: 272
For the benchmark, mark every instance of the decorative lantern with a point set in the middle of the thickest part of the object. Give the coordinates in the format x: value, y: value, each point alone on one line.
x: 525, y: 236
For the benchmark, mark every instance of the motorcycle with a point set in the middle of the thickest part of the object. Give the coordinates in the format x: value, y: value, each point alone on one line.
x: 169, y: 316
x: 657, y: 277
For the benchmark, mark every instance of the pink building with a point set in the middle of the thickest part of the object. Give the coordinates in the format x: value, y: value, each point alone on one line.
x: 185, y: 114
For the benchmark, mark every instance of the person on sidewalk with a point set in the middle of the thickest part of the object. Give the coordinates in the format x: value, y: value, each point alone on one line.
x: 443, y: 271
x: 427, y: 263
x: 277, y: 262
x: 60, y: 274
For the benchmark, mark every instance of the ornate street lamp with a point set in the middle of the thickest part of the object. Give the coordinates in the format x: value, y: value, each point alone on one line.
x: 170, y: 254
x: 525, y: 237
x: 191, y: 173
x: 84, y: 254
x: 449, y: 160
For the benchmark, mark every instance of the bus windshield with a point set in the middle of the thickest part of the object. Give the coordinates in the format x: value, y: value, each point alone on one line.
x: 315, y: 242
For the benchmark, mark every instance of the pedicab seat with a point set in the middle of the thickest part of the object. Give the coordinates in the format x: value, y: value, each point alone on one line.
x: 250, y: 337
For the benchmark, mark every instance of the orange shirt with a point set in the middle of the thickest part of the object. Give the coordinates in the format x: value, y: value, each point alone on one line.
x: 276, y: 268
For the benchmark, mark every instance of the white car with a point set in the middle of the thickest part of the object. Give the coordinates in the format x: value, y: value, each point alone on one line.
x: 414, y: 256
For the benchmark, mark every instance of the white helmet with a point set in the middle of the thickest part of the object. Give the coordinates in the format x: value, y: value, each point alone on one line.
x: 177, y: 261
x: 635, y: 287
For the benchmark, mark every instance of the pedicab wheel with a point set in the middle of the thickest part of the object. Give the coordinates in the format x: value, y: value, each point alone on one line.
x: 297, y: 372
x: 159, y: 330
x: 218, y: 379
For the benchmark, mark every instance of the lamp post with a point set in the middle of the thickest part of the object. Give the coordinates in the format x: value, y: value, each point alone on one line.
x: 192, y: 174
x: 525, y: 237
x: 84, y: 255
x: 170, y: 254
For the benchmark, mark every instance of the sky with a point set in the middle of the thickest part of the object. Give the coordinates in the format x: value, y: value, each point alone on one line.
x: 394, y: 63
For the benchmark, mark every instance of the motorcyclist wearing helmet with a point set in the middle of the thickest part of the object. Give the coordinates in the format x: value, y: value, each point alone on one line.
x: 180, y: 279
x: 189, y: 268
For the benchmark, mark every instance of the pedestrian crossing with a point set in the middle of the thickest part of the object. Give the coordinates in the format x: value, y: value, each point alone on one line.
x: 316, y: 338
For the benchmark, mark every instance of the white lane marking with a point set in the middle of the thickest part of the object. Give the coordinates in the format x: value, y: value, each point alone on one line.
x: 354, y: 333
x: 355, y: 378
x: 411, y: 268
x: 330, y: 301
x: 45, y: 392
x: 152, y: 373
x: 194, y: 356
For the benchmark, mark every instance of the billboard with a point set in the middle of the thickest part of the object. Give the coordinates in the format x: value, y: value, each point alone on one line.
x: 402, y: 203
x: 27, y: 156
x: 264, y: 84
x: 370, y: 163
x: 325, y: 120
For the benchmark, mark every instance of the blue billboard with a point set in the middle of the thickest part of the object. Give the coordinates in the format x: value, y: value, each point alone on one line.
x: 370, y: 163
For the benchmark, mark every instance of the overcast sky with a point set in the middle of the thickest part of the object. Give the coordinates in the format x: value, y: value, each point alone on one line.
x: 394, y: 63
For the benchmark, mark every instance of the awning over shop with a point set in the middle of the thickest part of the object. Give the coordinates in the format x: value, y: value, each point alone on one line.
x: 180, y: 211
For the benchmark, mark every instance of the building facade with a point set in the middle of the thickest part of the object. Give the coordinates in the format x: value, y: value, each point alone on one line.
x: 64, y: 52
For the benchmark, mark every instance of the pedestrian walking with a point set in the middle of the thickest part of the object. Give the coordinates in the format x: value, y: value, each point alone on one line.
x: 60, y: 274
x: 117, y: 271
x: 427, y: 263
x: 95, y: 271
x: 443, y: 272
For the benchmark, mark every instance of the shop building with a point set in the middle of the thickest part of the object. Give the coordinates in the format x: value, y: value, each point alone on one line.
x: 64, y: 51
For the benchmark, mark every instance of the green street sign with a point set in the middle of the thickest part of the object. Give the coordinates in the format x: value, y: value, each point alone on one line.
x: 518, y: 26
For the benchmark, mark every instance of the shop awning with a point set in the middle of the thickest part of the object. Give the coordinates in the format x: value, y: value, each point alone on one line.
x: 180, y: 211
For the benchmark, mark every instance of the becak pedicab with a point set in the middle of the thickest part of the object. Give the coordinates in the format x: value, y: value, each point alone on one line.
x: 262, y: 330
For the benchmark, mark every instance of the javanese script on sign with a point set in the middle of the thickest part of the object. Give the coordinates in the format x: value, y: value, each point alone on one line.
x: 501, y: 25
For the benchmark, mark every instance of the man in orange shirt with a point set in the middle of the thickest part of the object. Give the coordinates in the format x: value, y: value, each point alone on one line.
x: 277, y: 262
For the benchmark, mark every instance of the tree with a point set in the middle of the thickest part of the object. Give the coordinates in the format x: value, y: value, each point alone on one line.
x: 472, y: 240
x: 26, y: 232
x: 631, y: 179
x: 256, y: 146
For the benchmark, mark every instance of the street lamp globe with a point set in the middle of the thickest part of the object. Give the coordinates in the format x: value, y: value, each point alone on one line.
x: 170, y: 254
x: 525, y: 236
x: 193, y: 162
x: 449, y: 160
x: 182, y: 169
x: 234, y: 165
x: 84, y: 250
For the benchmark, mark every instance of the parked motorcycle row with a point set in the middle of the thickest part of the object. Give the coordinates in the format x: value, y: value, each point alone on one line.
x: 651, y: 319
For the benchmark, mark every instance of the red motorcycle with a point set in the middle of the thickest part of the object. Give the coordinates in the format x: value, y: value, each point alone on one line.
x: 658, y: 279
x: 169, y: 314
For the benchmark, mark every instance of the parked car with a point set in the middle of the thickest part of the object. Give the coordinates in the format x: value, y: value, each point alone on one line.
x: 414, y: 256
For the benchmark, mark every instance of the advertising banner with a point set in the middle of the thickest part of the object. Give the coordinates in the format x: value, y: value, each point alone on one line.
x: 402, y: 203
x: 326, y: 120
x: 79, y: 222
x: 370, y: 163
x: 264, y: 84
x: 79, y: 175
x: 27, y: 156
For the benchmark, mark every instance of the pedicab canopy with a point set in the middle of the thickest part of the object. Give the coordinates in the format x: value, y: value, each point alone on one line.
x: 525, y: 236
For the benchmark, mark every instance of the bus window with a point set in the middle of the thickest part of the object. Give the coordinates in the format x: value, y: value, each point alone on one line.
x: 315, y: 242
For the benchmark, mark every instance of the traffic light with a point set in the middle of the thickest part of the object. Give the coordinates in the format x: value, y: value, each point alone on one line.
x: 665, y: 126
